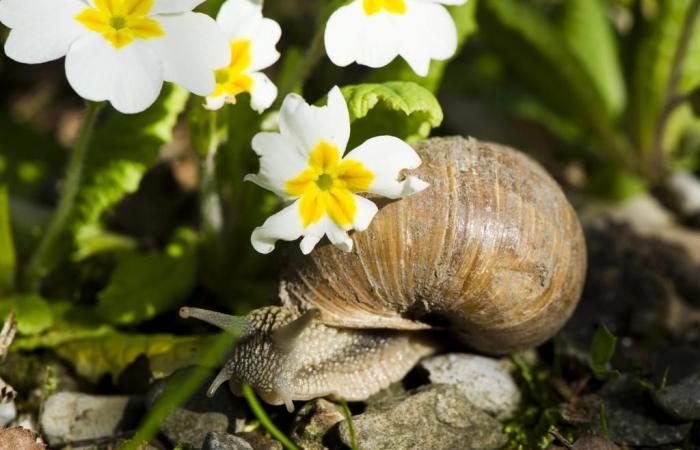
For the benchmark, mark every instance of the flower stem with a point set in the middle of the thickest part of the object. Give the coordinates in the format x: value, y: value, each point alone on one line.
x: 41, y: 261
x: 210, y: 203
x: 311, y: 57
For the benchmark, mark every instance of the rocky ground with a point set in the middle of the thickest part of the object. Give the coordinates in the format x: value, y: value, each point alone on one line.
x: 643, y: 283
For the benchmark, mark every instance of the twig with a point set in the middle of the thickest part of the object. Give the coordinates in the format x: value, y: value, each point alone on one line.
x: 561, y: 439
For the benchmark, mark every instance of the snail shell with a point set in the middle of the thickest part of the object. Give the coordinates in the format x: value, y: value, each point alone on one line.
x: 493, y: 248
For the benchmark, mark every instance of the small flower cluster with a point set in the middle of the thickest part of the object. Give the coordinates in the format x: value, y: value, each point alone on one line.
x: 122, y: 51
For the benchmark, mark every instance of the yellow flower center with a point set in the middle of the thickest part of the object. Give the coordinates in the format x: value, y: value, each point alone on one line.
x: 327, y: 185
x: 121, y: 21
x: 391, y: 6
x: 234, y: 79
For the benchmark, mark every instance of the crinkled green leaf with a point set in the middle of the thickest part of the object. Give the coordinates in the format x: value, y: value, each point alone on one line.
x: 110, y: 354
x: 602, y: 350
x: 465, y: 20
x: 667, y: 65
x: 32, y: 313
x: 589, y: 33
x: 537, y: 49
x: 8, y: 258
x: 145, y: 285
x: 402, y: 109
x: 122, y: 149
x: 94, y: 239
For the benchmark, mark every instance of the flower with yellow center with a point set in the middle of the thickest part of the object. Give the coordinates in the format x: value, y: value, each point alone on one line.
x: 119, y: 50
x: 305, y: 164
x: 374, y: 32
x: 121, y: 21
x: 252, y: 39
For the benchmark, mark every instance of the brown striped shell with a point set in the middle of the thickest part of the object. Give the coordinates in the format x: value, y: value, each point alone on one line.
x: 492, y: 247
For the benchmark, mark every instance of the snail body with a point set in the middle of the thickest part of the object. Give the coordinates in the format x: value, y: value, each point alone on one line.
x: 492, y: 251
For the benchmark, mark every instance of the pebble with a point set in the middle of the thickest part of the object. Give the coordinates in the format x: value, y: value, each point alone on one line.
x: 486, y: 382
x: 438, y: 417
x: 225, y: 441
x: 73, y: 416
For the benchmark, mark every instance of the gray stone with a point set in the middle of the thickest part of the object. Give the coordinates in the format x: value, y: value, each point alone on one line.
x: 8, y: 413
x: 679, y: 370
x: 313, y: 421
x: 260, y: 442
x: 225, y: 441
x: 190, y: 424
x: 438, y: 417
x: 632, y: 418
x: 72, y: 416
x: 486, y: 382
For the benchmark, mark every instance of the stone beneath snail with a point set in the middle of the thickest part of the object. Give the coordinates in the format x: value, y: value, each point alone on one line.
x: 491, y: 251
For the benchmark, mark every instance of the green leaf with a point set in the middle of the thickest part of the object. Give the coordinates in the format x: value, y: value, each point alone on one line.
x: 536, y: 48
x: 94, y: 239
x: 110, y: 354
x: 589, y: 33
x: 402, y: 109
x: 8, y: 258
x: 667, y: 66
x: 32, y: 313
x: 145, y: 285
x: 465, y: 20
x: 602, y: 350
x: 69, y: 322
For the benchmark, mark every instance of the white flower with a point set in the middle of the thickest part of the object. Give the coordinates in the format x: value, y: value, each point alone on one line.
x: 119, y: 50
x: 374, y: 32
x: 304, y: 164
x: 253, y: 39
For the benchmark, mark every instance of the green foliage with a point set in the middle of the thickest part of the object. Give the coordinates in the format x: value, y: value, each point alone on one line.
x: 122, y: 149
x: 589, y: 34
x: 145, y: 285
x: 402, y: 109
x: 32, y: 313
x: 562, y: 74
x: 8, y: 258
x: 602, y: 350
x: 667, y: 66
x: 111, y: 353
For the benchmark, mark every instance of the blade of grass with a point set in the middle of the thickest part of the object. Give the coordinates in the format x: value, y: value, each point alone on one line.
x: 351, y: 427
x: 262, y: 416
x: 175, y: 396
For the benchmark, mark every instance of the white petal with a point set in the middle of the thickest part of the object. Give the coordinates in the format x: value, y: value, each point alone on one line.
x: 285, y: 225
x: 239, y: 18
x: 308, y: 125
x: 263, y: 40
x: 192, y: 48
x: 263, y: 93
x: 42, y: 29
x: 215, y: 103
x: 366, y: 210
x: 280, y: 161
x: 312, y: 236
x: 352, y: 36
x: 430, y: 33
x: 386, y: 157
x: 338, y: 236
x: 174, y: 6
x: 130, y: 78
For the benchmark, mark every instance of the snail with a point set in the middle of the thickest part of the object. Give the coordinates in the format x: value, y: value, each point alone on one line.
x: 492, y: 251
